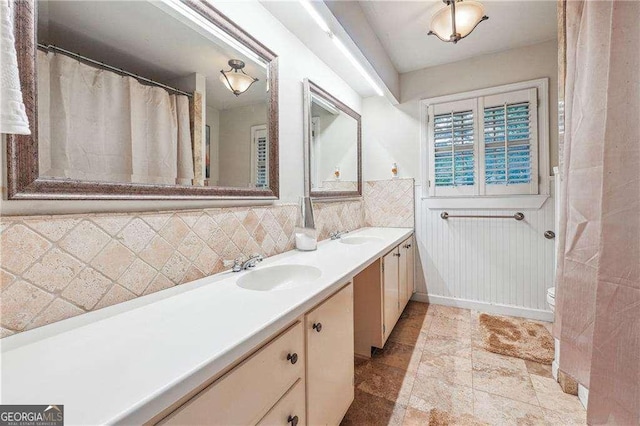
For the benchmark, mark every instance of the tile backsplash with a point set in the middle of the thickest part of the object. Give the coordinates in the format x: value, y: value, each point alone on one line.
x: 57, y: 267
x: 389, y: 203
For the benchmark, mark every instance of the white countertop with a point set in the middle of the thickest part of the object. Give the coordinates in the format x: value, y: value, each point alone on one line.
x: 128, y: 362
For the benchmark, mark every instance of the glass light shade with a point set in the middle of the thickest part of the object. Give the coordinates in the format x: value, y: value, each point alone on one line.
x: 240, y: 82
x: 468, y: 14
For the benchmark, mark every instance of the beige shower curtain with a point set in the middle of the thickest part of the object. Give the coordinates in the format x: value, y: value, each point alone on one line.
x: 97, y: 125
x: 598, y: 307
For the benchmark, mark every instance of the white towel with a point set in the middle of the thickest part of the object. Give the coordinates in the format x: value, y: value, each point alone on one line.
x: 13, y: 118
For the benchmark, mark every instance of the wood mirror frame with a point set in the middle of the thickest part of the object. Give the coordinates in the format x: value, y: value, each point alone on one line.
x: 311, y: 88
x: 23, y: 180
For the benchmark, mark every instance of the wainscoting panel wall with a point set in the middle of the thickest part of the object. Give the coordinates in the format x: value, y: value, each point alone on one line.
x: 497, y: 265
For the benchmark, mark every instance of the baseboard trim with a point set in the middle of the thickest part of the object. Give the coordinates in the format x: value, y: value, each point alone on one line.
x: 583, y: 395
x: 514, y: 311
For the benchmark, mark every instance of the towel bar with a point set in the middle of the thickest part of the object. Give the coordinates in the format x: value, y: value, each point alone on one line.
x: 516, y: 216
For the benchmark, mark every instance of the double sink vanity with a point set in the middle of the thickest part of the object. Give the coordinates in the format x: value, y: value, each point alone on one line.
x: 270, y: 345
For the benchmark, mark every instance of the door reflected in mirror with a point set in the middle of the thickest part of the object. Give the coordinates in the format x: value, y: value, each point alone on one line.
x: 332, y: 145
x: 134, y: 92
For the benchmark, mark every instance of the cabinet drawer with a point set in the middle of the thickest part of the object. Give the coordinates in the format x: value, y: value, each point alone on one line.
x: 289, y: 411
x: 246, y: 393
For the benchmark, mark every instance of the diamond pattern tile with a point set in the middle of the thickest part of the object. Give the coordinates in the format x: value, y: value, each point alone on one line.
x: 389, y: 203
x: 57, y: 267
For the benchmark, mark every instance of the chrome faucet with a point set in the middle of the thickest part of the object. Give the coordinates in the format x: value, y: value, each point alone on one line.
x: 337, y: 235
x: 240, y: 264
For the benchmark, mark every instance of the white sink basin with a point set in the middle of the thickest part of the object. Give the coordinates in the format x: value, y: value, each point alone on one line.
x: 280, y: 277
x: 359, y: 240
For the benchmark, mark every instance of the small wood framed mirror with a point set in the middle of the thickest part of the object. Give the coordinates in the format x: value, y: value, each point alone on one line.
x: 332, y: 146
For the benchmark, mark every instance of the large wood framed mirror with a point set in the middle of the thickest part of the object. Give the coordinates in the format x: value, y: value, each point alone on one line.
x: 332, y: 146
x: 153, y: 99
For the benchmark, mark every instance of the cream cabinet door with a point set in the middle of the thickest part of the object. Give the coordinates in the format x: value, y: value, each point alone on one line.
x: 391, y: 287
x: 406, y: 272
x: 402, y: 277
x: 410, y: 262
x: 329, y: 330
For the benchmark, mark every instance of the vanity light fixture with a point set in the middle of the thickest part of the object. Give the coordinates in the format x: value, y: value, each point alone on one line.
x: 456, y: 19
x: 235, y: 79
x: 345, y: 51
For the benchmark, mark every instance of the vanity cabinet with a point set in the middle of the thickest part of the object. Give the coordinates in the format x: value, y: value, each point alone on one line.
x: 246, y: 393
x: 391, y: 290
x: 303, y: 375
x: 381, y: 292
x: 329, y: 333
x: 405, y: 272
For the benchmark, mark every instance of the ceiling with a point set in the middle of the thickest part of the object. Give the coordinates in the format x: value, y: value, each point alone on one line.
x: 402, y: 26
x: 293, y: 16
x: 143, y: 39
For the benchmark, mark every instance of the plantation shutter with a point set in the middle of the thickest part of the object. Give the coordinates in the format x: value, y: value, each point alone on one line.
x: 453, y: 148
x: 260, y: 157
x: 509, y: 130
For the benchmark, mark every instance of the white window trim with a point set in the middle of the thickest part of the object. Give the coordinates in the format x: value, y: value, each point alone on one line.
x: 479, y: 202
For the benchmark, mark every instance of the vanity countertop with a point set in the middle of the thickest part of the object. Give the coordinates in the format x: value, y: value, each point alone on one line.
x: 128, y: 362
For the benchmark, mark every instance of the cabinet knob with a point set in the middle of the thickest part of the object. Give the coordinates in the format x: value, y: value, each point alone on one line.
x: 292, y: 357
x: 317, y: 327
x: 396, y: 254
x: 293, y: 420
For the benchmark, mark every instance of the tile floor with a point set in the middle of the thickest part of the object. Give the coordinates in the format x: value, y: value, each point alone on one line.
x: 432, y: 371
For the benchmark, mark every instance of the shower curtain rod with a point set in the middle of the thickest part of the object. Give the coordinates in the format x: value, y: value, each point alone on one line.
x: 49, y: 47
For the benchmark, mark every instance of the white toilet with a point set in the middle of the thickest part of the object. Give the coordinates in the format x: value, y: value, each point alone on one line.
x: 551, y: 298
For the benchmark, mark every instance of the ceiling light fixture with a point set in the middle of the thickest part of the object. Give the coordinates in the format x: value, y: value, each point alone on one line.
x: 235, y: 79
x: 325, y: 28
x: 456, y: 19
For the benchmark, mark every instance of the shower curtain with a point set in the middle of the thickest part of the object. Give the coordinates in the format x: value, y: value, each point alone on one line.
x: 97, y: 125
x: 598, y: 306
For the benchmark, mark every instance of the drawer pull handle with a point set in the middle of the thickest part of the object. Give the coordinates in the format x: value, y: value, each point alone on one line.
x: 292, y: 357
x: 317, y: 327
x: 293, y: 420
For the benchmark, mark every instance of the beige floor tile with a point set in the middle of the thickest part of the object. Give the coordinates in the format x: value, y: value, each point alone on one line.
x: 414, y: 417
x: 430, y: 393
x: 538, y: 369
x: 441, y: 345
x: 393, y: 384
x: 398, y: 355
x: 565, y: 419
x: 450, y: 312
x: 448, y: 360
x: 418, y: 307
x: 416, y: 319
x: 502, y: 375
x: 497, y: 410
x: 451, y: 328
x: 553, y: 398
x: 407, y: 334
x: 372, y: 410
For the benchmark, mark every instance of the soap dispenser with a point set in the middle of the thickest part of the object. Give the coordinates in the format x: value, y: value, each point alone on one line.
x: 305, y: 232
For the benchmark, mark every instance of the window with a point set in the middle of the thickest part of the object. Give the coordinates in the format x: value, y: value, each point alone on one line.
x: 485, y: 143
x: 259, y: 157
